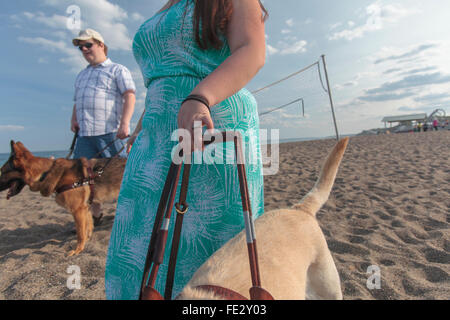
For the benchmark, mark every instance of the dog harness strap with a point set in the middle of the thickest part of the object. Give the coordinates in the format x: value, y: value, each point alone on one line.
x: 91, y: 184
x: 65, y: 188
x: 89, y: 181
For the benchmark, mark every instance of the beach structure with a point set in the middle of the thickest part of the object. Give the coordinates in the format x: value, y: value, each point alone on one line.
x: 404, y: 120
x: 411, y: 122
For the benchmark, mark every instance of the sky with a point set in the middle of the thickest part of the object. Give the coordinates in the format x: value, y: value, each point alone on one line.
x: 383, y: 58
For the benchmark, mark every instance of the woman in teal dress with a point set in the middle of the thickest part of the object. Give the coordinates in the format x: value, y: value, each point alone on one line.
x: 217, y: 64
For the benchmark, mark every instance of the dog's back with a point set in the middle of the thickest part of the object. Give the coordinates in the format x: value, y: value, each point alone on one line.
x: 294, y: 259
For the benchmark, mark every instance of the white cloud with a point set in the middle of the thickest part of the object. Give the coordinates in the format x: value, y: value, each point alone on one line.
x: 290, y: 22
x: 55, y: 21
x: 288, y: 45
x: 376, y: 16
x: 137, y: 16
x: 10, y: 127
x: 294, y: 48
x: 70, y: 55
x: 271, y: 50
x: 335, y: 26
x: 101, y: 15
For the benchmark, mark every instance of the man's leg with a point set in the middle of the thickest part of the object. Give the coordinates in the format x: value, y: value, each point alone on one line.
x: 114, y: 145
x: 84, y: 148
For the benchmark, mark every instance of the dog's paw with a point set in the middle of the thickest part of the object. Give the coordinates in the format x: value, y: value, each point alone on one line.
x: 75, y: 252
x: 71, y: 253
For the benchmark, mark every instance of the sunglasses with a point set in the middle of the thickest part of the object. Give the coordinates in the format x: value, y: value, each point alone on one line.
x: 88, y: 45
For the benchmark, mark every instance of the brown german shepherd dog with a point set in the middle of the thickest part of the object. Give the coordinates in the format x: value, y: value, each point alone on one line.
x: 50, y: 175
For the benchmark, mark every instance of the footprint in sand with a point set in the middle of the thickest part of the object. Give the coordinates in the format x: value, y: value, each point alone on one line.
x: 361, y: 232
x: 436, y: 224
x: 342, y: 247
x: 411, y: 288
x: 435, y: 274
x: 387, y: 262
x: 406, y: 237
x: 438, y: 256
x: 392, y: 211
x: 397, y: 224
x: 382, y: 215
x: 356, y: 239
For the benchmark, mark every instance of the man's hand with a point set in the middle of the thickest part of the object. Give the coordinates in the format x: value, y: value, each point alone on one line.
x: 74, y: 126
x: 123, y: 132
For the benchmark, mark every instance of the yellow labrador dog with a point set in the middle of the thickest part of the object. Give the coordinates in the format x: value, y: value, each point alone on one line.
x: 294, y: 259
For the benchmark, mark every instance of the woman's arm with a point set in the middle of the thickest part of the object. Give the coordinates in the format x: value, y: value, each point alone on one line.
x: 135, y: 133
x: 246, y: 39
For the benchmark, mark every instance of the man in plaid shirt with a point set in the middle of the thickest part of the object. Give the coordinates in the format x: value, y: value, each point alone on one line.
x: 104, y: 100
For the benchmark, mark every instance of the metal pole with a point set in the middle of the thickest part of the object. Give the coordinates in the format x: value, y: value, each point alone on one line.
x: 329, y: 94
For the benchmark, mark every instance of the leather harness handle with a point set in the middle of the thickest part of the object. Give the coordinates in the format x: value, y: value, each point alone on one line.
x: 157, y: 225
x: 177, y: 231
x: 158, y: 240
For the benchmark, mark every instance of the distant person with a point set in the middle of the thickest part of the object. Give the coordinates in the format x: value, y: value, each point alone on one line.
x: 436, y: 124
x: 104, y: 100
x: 419, y: 126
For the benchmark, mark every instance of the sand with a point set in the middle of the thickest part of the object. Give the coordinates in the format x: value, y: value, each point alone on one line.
x: 388, y: 210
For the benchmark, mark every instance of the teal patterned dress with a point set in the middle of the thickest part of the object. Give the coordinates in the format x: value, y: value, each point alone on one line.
x: 172, y: 65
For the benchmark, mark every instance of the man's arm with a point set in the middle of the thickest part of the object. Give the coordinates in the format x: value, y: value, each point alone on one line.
x: 73, y: 122
x: 128, y: 109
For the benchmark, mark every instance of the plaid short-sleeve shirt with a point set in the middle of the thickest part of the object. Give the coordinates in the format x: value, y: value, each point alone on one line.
x: 99, y: 97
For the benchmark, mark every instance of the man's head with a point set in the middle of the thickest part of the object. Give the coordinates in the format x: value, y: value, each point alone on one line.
x: 92, y: 45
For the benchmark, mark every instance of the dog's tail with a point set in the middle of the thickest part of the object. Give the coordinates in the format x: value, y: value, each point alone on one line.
x: 316, y: 198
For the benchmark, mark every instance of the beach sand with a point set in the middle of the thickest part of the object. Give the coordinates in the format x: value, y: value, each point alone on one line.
x: 389, y: 208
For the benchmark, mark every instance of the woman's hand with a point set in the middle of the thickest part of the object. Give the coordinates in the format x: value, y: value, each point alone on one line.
x: 130, y: 142
x: 194, y: 111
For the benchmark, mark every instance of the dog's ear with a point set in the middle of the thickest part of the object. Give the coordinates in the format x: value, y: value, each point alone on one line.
x: 13, y: 153
x: 18, y: 150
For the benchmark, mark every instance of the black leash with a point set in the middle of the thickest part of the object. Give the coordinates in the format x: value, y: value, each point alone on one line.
x: 72, y: 147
